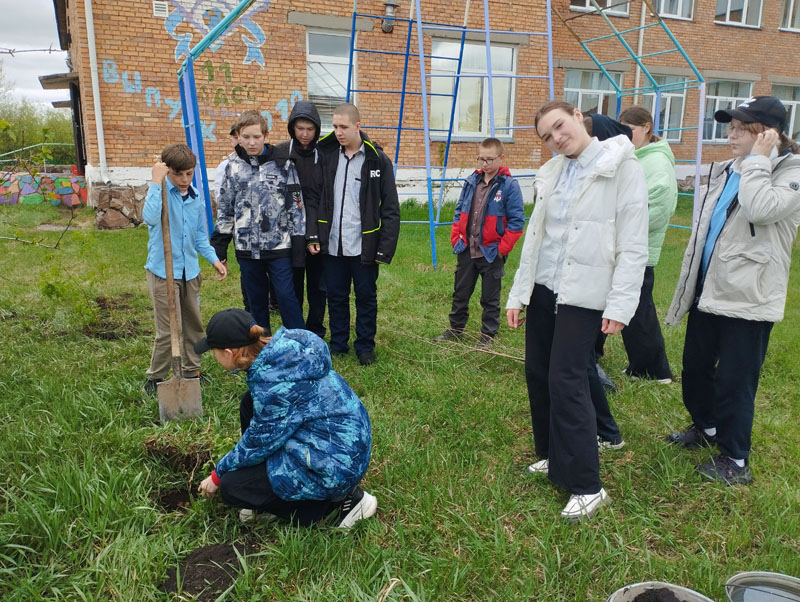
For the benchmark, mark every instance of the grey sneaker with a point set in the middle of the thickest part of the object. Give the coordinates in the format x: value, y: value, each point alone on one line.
x: 603, y: 444
x: 248, y: 516
x: 450, y: 335
x: 485, y: 341
x: 692, y: 438
x: 724, y: 469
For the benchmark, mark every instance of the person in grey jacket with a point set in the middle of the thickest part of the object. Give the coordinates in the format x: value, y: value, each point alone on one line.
x: 580, y: 271
x: 733, y: 283
x: 260, y: 207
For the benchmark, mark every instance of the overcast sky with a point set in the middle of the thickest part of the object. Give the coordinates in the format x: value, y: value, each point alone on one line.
x: 31, y: 24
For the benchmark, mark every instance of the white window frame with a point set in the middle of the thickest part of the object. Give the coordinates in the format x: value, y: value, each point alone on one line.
x: 747, y: 7
x: 792, y: 108
x: 678, y: 15
x: 503, y: 134
x: 321, y: 58
x: 673, y: 136
x: 615, y: 12
x: 729, y: 101
x: 581, y: 92
x: 791, y: 8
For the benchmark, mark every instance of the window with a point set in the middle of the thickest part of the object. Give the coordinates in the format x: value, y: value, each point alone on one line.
x: 738, y: 12
x: 791, y: 14
x: 677, y: 9
x: 590, y: 91
x: 790, y: 96
x: 672, y: 100
x: 722, y: 95
x: 327, y: 64
x: 472, y: 105
x: 612, y: 7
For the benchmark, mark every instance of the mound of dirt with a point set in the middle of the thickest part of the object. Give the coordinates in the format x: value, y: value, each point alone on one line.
x: 207, y: 572
x: 661, y: 594
x: 112, y: 321
x: 188, y: 460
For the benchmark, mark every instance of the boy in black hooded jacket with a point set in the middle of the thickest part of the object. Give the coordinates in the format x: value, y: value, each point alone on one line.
x: 301, y: 148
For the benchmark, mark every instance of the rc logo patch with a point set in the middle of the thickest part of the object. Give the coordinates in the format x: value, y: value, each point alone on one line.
x: 374, y: 173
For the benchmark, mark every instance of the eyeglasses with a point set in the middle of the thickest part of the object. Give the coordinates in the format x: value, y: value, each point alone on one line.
x: 486, y: 160
x: 736, y: 130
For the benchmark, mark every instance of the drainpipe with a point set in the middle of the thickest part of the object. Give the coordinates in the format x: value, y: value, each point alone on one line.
x: 98, y: 113
x: 639, y: 53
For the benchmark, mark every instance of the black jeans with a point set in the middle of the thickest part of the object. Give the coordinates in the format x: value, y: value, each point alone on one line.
x: 315, y: 291
x: 467, y: 272
x: 644, y: 343
x: 558, y: 348
x: 722, y: 359
x: 340, y: 273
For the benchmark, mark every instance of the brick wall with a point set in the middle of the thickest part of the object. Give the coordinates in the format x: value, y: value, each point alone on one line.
x: 261, y: 65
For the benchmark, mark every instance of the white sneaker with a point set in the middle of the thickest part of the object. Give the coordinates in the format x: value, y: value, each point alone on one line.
x: 664, y: 381
x: 540, y: 467
x: 602, y: 444
x: 355, y: 508
x: 585, y: 506
x: 246, y: 516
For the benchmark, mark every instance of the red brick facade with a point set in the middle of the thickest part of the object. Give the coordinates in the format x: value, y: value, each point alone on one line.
x: 261, y: 64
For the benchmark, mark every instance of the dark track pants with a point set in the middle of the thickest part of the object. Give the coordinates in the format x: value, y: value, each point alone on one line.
x: 722, y: 359
x: 643, y: 340
x: 466, y: 277
x: 558, y: 349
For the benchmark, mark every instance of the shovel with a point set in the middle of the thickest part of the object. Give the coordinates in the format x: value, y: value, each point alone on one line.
x: 176, y: 396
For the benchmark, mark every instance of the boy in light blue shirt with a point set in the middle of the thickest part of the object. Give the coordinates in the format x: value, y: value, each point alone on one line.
x: 189, y: 238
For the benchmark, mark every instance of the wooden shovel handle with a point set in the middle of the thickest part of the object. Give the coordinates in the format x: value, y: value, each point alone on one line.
x: 173, y: 313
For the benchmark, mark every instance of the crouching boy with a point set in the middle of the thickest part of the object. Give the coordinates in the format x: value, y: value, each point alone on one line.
x: 306, y: 437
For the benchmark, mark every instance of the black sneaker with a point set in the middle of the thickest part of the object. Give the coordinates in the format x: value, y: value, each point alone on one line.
x: 485, y: 341
x: 151, y: 386
x: 724, y: 469
x: 339, y: 352
x: 367, y: 358
x: 692, y: 438
x: 359, y: 504
x: 450, y: 335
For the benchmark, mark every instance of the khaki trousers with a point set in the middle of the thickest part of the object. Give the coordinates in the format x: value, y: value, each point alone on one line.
x: 190, y: 326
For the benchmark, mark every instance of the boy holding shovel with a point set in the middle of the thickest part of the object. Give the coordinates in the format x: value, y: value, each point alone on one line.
x: 189, y: 239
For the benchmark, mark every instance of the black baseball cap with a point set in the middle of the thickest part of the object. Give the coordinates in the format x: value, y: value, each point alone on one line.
x: 761, y: 109
x: 233, y: 131
x: 227, y: 329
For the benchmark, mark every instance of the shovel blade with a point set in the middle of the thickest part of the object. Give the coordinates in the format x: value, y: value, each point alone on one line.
x: 179, y: 397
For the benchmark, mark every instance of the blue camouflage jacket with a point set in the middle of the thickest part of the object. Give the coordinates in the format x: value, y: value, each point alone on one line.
x: 308, y: 424
x: 260, y: 205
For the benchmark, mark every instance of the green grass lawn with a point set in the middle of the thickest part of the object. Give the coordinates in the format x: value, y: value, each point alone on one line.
x: 459, y: 517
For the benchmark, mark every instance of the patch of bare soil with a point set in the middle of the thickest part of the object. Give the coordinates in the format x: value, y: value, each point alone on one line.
x: 187, y: 460
x: 175, y: 500
x: 661, y: 594
x: 113, y: 319
x: 207, y: 572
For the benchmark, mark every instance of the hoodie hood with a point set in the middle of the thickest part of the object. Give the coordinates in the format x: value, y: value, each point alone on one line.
x: 655, y: 148
x: 604, y: 127
x: 291, y: 355
x: 304, y: 109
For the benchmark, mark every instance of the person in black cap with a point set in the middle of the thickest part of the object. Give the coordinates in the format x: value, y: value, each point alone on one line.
x: 306, y: 437
x: 733, y: 283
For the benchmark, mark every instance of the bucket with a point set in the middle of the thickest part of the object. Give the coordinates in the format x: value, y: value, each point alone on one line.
x: 760, y: 586
x: 629, y: 592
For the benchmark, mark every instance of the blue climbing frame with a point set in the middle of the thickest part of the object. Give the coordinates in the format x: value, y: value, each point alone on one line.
x: 189, y: 109
x: 436, y: 175
x: 652, y: 87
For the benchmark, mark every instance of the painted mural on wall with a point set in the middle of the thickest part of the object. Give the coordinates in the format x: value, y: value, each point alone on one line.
x: 26, y: 189
x: 218, y: 98
x: 201, y: 16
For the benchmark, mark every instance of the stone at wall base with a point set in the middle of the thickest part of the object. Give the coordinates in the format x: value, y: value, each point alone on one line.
x: 118, y: 206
